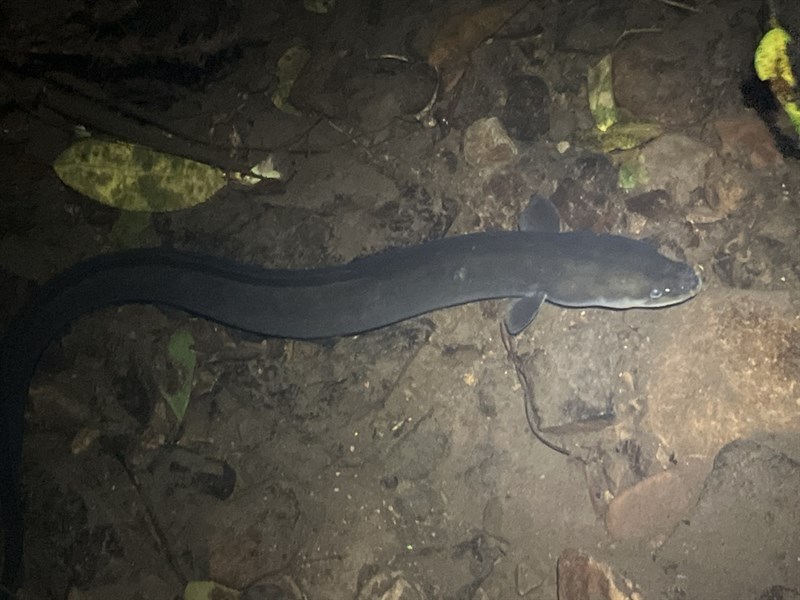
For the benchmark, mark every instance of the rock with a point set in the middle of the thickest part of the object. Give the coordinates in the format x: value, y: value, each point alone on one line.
x: 583, y: 203
x: 675, y: 163
x: 563, y: 123
x: 652, y: 506
x: 528, y: 579
x: 779, y: 592
x: 493, y: 517
x: 747, y: 519
x: 655, y: 76
x: 581, y: 577
x: 741, y: 375
x: 251, y: 533
x: 367, y: 93
x: 526, y: 114
x: 487, y: 145
x: 596, y: 31
x: 573, y: 390
x: 749, y: 138
x: 416, y: 455
x: 728, y: 187
x: 181, y: 468
x: 654, y: 205
x: 389, y: 585
x: 281, y: 589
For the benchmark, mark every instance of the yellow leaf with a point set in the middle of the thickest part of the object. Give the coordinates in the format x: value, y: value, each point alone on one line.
x: 772, y: 59
x: 773, y: 65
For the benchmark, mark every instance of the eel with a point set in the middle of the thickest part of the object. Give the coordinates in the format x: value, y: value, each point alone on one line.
x: 570, y: 269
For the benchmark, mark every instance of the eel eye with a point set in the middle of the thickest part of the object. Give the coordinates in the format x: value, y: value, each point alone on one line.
x: 655, y: 293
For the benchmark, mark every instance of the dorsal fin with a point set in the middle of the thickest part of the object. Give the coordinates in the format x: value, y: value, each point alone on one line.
x: 540, y: 215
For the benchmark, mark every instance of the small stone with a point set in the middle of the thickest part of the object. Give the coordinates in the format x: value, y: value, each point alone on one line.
x: 528, y: 579
x: 487, y: 145
x: 526, y: 114
x: 580, y: 577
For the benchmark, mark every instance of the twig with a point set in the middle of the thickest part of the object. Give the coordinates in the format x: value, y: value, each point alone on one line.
x: 527, y: 387
x: 681, y: 5
x: 636, y: 31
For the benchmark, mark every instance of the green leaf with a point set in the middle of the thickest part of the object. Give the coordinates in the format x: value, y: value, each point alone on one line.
x: 624, y: 135
x: 133, y: 230
x: 601, y: 94
x: 632, y: 174
x: 209, y: 590
x: 183, y: 359
x: 133, y: 177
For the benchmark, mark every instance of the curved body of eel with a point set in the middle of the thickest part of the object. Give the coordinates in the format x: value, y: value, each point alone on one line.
x: 569, y: 269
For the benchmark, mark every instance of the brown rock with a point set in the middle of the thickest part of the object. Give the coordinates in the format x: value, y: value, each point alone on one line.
x: 748, y: 137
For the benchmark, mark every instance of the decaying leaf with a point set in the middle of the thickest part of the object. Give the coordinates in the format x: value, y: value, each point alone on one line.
x: 614, y: 129
x: 601, y: 94
x: 289, y: 66
x: 622, y: 136
x: 632, y: 174
x: 320, y: 7
x: 449, y: 52
x: 133, y: 177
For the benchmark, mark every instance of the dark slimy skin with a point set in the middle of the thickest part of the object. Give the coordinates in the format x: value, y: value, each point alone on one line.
x: 576, y: 269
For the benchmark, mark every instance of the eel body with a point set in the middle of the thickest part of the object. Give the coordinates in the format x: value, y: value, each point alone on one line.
x: 573, y: 269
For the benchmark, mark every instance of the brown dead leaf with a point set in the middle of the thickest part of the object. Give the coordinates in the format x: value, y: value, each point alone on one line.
x: 450, y: 49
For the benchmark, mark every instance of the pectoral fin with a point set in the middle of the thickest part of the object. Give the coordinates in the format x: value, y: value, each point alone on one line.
x: 522, y: 311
